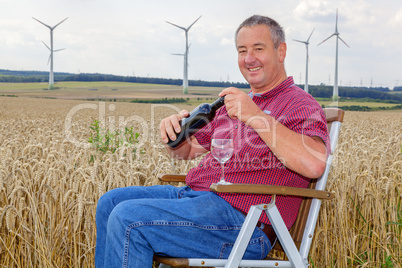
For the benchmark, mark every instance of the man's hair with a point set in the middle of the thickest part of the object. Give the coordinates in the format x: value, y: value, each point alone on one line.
x: 277, y: 33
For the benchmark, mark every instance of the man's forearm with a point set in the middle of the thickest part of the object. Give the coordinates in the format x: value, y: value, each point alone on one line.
x: 303, y: 154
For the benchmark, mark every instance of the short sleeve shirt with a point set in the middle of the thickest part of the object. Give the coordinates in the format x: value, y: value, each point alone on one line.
x: 253, y: 161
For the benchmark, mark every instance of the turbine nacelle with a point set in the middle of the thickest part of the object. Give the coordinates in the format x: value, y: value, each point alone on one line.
x: 336, y: 33
x: 307, y: 58
x: 185, y: 29
x: 51, y: 28
x: 308, y: 39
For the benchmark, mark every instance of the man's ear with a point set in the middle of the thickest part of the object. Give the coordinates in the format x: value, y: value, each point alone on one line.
x: 282, y: 51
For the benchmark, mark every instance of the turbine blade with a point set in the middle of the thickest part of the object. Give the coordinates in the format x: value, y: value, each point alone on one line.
x: 176, y: 54
x: 299, y: 41
x: 42, y: 23
x: 310, y: 35
x: 336, y: 23
x: 193, y: 23
x: 343, y: 41
x: 50, y: 56
x: 326, y: 39
x: 46, y: 45
x: 59, y: 23
x: 58, y: 49
x: 177, y: 26
x: 188, y: 49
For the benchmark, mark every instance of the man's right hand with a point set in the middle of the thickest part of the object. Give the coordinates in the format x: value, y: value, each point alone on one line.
x: 171, y: 125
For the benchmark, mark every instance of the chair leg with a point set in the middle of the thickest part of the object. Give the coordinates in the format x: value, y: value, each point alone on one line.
x: 284, y: 237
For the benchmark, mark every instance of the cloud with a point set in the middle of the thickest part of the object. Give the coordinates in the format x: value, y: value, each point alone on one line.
x: 396, y: 20
x: 227, y: 41
x: 133, y: 37
x: 312, y: 9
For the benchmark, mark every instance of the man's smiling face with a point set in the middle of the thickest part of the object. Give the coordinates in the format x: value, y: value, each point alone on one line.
x: 260, y: 63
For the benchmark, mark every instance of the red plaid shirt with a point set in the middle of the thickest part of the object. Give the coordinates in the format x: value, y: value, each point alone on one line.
x: 253, y: 161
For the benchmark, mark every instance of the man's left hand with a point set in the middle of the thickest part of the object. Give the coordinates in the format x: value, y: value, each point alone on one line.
x: 239, y: 105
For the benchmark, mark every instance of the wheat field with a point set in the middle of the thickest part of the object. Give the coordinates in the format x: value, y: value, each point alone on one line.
x: 50, y: 181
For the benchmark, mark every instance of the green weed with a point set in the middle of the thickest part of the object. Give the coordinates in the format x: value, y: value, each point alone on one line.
x: 109, y: 141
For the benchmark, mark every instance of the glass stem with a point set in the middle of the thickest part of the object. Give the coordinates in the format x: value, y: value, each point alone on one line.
x: 222, y: 171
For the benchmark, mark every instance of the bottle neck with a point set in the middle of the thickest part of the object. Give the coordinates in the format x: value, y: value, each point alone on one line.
x: 218, y: 104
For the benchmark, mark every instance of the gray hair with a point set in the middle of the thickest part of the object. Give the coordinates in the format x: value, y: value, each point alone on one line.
x: 277, y: 33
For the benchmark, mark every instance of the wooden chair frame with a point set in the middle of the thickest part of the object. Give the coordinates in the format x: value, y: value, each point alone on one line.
x: 295, y: 242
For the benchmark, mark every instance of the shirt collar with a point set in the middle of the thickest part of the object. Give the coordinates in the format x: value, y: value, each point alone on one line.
x: 285, y: 84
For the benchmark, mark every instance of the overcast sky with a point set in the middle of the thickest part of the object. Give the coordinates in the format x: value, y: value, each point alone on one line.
x: 131, y: 37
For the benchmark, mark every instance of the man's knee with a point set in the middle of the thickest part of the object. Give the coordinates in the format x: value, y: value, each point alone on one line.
x: 109, y: 200
x: 126, y: 213
x: 105, y: 204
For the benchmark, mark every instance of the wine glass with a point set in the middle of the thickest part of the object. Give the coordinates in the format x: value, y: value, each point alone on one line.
x: 222, y: 151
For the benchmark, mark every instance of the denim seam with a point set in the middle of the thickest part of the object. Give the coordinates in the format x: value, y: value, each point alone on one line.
x: 182, y: 223
x: 262, y: 248
x: 126, y: 247
x: 264, y: 239
x: 257, y: 240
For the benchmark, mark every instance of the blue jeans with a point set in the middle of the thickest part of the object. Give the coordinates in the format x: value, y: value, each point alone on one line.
x: 134, y: 223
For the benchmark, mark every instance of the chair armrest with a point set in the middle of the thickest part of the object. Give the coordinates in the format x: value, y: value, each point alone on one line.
x: 270, y: 190
x: 172, y: 178
x: 172, y: 261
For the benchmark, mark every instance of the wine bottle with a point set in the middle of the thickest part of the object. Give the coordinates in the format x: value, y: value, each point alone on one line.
x: 198, y: 118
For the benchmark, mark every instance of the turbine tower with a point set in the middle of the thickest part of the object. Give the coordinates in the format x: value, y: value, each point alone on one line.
x: 307, y: 59
x: 51, y: 76
x: 184, y: 67
x: 185, y: 78
x: 335, y: 93
x: 184, y: 56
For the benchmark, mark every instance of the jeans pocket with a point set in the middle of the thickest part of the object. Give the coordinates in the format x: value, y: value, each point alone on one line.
x: 257, y: 249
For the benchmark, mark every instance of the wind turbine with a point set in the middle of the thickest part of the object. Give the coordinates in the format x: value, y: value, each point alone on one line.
x: 185, y: 78
x: 307, y: 59
x: 183, y: 55
x: 51, y: 76
x: 335, y: 93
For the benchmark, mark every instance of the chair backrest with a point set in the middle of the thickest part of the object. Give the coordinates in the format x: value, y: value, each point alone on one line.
x: 304, y: 226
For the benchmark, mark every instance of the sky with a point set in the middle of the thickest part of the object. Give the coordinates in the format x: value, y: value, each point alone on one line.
x: 132, y: 38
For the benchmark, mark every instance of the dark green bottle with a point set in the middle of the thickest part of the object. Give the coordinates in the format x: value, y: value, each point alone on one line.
x: 198, y: 118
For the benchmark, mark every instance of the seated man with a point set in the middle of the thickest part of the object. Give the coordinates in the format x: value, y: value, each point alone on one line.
x: 280, y: 137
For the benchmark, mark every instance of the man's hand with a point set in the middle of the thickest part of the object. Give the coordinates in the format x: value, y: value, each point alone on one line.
x: 239, y: 105
x: 168, y: 129
x: 171, y: 125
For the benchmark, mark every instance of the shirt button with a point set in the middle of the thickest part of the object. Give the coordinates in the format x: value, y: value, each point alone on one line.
x: 201, y: 165
x: 236, y: 127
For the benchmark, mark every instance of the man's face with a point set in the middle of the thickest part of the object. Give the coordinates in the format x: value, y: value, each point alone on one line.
x: 259, y: 62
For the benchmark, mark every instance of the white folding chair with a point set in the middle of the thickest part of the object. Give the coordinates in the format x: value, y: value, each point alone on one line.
x: 296, y: 242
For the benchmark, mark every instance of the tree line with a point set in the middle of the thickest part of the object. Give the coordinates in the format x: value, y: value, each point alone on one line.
x: 317, y: 91
x: 354, y: 92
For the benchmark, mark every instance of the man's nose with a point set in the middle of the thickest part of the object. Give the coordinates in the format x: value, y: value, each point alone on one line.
x: 250, y: 58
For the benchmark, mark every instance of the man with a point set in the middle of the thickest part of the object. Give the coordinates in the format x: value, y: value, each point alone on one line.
x: 280, y: 138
